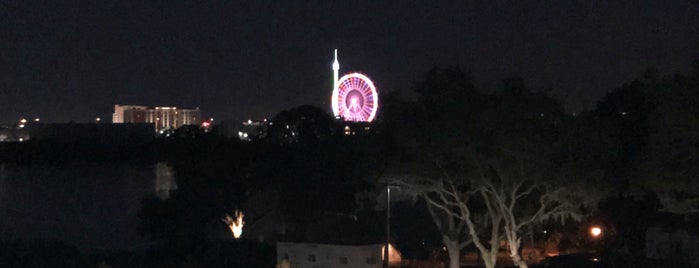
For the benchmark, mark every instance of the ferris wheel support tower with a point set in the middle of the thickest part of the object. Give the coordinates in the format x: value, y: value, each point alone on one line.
x: 336, y: 79
x: 336, y: 70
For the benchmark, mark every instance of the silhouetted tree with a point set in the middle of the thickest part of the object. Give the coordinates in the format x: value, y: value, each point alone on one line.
x: 502, y: 173
x: 669, y: 162
x: 303, y: 124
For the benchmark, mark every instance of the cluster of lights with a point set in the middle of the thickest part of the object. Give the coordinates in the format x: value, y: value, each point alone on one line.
x: 348, y: 131
x: 250, y: 122
x: 23, y: 122
x: 254, y: 129
x: 208, y: 123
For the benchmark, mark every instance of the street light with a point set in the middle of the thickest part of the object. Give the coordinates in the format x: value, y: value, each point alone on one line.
x: 387, y: 246
x: 595, y: 231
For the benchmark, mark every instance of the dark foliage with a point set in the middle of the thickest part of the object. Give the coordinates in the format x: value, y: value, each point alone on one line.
x: 40, y: 254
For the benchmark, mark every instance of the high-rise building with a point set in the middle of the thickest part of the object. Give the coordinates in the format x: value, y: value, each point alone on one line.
x: 163, y: 118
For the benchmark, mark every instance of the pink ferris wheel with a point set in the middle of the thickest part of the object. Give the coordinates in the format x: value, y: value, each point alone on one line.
x: 355, y: 98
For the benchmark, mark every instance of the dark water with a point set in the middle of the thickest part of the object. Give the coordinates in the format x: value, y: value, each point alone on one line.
x: 92, y: 206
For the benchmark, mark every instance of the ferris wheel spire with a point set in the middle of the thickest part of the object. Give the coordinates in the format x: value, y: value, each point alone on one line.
x: 336, y: 70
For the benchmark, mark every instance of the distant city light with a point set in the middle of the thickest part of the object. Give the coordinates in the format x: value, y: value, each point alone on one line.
x: 595, y: 231
x: 97, y: 120
x: 37, y: 119
x: 22, y: 121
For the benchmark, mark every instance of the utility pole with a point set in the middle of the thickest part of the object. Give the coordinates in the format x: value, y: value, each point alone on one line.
x: 388, y: 224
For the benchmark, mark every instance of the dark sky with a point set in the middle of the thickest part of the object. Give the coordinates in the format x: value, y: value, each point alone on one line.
x: 73, y: 60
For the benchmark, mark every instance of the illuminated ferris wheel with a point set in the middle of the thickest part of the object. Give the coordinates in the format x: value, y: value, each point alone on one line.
x: 355, y: 98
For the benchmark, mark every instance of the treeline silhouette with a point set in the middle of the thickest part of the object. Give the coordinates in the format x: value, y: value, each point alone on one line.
x: 643, y: 136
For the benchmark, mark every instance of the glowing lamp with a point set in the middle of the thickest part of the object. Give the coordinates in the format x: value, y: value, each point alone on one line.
x: 595, y: 231
x: 394, y: 257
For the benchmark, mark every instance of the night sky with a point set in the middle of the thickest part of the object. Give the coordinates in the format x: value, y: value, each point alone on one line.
x: 73, y: 60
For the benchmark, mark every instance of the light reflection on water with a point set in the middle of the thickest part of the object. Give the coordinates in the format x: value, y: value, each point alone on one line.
x: 164, y: 180
x: 92, y: 206
x: 2, y: 183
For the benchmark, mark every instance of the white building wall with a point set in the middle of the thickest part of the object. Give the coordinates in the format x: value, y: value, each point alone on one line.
x: 118, y: 115
x: 307, y: 255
